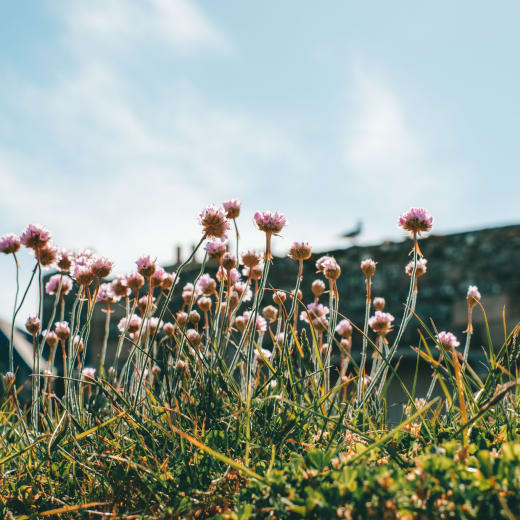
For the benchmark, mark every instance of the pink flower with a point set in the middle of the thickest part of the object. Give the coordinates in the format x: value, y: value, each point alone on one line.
x: 65, y: 259
x: 131, y: 324
x: 221, y: 275
x: 106, y: 294
x: 379, y: 303
x: 320, y: 263
x: 318, y: 288
x: 52, y: 286
x: 419, y: 270
x: 88, y: 373
x: 344, y: 328
x: 251, y: 258
x: 157, y: 277
x: 152, y: 324
x: 62, y: 330
x: 146, y: 265
x: 314, y: 311
x: 216, y: 248
x: 381, y: 323
x: 135, y: 281
x: 169, y: 329
x: 331, y: 269
x: 447, y: 339
x: 120, y: 287
x: 265, y: 354
x: 84, y: 257
x: 232, y: 207
x: 214, y: 222
x: 46, y: 255
x: 51, y: 338
x: 206, y: 285
x: 368, y: 267
x: 33, y: 324
x: 473, y: 295
x: 242, y: 288
x: 300, y: 251
x: 9, y: 243
x: 35, y: 236
x: 416, y: 220
x: 270, y: 222
x: 101, y: 267
x: 83, y: 275
x: 261, y: 324
x: 169, y: 281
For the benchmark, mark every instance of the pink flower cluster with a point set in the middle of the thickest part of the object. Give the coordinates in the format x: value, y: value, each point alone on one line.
x: 270, y: 222
x: 53, y: 285
x: 381, y: 323
x: 416, y: 220
x: 447, y: 339
x: 9, y: 243
x: 214, y: 222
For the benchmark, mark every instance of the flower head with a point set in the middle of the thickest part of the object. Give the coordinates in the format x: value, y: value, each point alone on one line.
x: 381, y: 323
x: 131, y: 324
x: 379, y: 303
x: 251, y: 258
x: 270, y: 313
x: 53, y: 285
x: 416, y: 220
x: 83, y: 275
x: 321, y: 262
x: 300, y: 251
x: 331, y: 269
x: 214, y: 222
x: 120, y: 287
x: 270, y: 222
x: 228, y: 261
x: 344, y: 328
x: 146, y: 265
x: 88, y: 374
x: 106, y: 294
x: 9, y: 243
x: 232, y: 207
x: 35, y: 236
x: 62, y: 330
x: 216, y: 248
x: 152, y: 324
x: 420, y: 270
x: 51, y: 338
x: 33, y: 324
x: 368, y: 267
x: 261, y: 324
x: 447, y: 340
x: 222, y: 274
x: 65, y: 259
x: 135, y: 281
x: 46, y: 255
x: 259, y: 357
x: 314, y: 311
x: 206, y: 285
x: 318, y: 288
x: 473, y: 296
x: 101, y: 267
x: 243, y: 290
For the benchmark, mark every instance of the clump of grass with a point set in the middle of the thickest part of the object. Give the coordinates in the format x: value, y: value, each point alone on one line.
x: 223, y: 399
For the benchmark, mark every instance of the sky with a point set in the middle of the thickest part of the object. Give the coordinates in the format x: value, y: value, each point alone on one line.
x: 121, y: 119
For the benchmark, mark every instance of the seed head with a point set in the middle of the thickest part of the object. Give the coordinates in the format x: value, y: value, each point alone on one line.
x: 120, y: 287
x: 204, y: 304
x: 194, y: 317
x: 169, y: 329
x: 182, y: 318
x: 228, y: 261
x: 193, y: 337
x: 50, y: 338
x: 46, y: 255
x: 270, y: 313
x: 83, y: 275
x: 65, y: 259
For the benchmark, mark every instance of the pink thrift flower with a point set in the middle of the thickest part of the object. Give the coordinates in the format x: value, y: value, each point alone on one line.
x: 135, y: 281
x: 120, y: 287
x: 416, y: 220
x: 270, y: 222
x: 320, y: 263
x: 46, y: 255
x: 9, y: 243
x: 83, y: 275
x: 381, y: 323
x: 251, y: 258
x: 146, y: 265
x: 243, y: 290
x: 473, y: 295
x: 216, y: 248
x: 214, y: 222
x: 344, y: 328
x: 65, y: 259
x: 379, y: 303
x: 152, y: 324
x: 419, y: 270
x: 314, y: 311
x: 368, y: 267
x: 62, y: 330
x: 265, y: 354
x: 221, y: 275
x: 101, y: 267
x: 35, y: 236
x: 33, y: 324
x: 52, y: 286
x: 300, y: 251
x: 261, y: 324
x: 88, y: 373
x: 83, y: 258
x: 232, y: 207
x: 131, y: 324
x: 447, y: 340
x: 157, y: 277
x: 106, y: 294
x: 331, y: 269
x: 206, y: 285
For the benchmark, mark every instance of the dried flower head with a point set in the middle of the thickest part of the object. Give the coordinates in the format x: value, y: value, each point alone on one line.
x: 447, y: 340
x: 193, y: 337
x: 168, y: 281
x: 146, y: 265
x: 204, y: 304
x: 216, y: 248
x: 240, y: 323
x: 143, y: 302
x: 251, y: 258
x: 194, y: 317
x: 318, y: 288
x: 157, y: 277
x: 232, y: 208
x: 182, y: 318
x: 214, y: 222
x: 152, y: 324
x: 9, y: 243
x: 279, y: 297
x: 229, y: 261
x: 35, y: 236
x: 300, y: 251
x: 368, y: 267
x: 169, y: 329
x: 33, y: 324
x: 270, y: 313
x: 381, y: 323
x: 254, y: 273
x: 53, y: 285
x: 46, y: 255
x: 120, y: 287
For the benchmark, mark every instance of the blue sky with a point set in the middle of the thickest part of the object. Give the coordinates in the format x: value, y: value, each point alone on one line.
x: 121, y: 119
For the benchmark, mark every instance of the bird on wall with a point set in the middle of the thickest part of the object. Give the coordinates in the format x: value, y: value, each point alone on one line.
x: 353, y: 233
